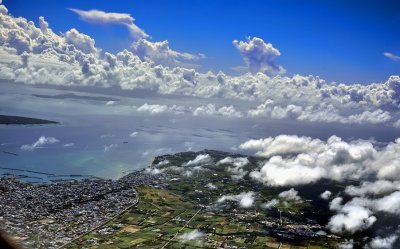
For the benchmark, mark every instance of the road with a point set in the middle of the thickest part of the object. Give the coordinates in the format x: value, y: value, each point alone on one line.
x: 180, y: 230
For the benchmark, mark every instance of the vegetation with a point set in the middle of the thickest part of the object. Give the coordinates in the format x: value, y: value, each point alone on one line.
x: 186, y: 204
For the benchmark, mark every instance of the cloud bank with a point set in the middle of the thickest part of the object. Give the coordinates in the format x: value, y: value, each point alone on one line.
x: 294, y: 160
x: 37, y: 55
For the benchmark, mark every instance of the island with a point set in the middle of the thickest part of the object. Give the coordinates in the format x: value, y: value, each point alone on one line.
x: 186, y: 200
x: 18, y: 120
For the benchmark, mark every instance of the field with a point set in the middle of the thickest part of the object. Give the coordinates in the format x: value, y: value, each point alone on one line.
x: 162, y: 216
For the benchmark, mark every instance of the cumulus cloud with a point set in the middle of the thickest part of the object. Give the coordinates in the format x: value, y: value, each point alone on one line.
x: 154, y: 171
x: 245, y: 199
x: 259, y: 56
x: 237, y: 171
x: 375, y: 117
x: 235, y: 161
x: 158, y: 109
x: 378, y: 187
x: 382, y: 242
x: 40, y: 143
x: 285, y: 197
x: 358, y: 213
x: 326, y: 195
x: 291, y: 195
x: 81, y: 41
x: 161, y: 53
x: 348, y: 244
x: 270, y: 204
x: 350, y: 219
x: 101, y: 17
x: 211, y: 186
x: 281, y: 145
x: 211, y: 109
x: 192, y: 235
x: 199, y: 160
x: 388, y: 204
x: 321, y: 113
x: 294, y: 160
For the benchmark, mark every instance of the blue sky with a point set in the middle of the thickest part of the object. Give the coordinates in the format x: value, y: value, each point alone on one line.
x: 339, y: 41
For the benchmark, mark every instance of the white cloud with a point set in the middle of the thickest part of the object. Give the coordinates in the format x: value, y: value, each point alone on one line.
x: 326, y: 195
x: 107, y: 148
x: 296, y: 160
x: 134, y: 134
x: 245, y: 199
x: 238, y: 163
x: 320, y: 113
x: 154, y: 171
x: 40, y: 143
x: 211, y: 109
x: 101, y: 17
x: 382, y: 242
x: 376, y: 117
x: 192, y: 235
x: 270, y: 204
x: 348, y: 244
x: 373, y: 188
x: 392, y: 56
x: 281, y: 145
x: 161, y: 53
x: 159, y: 109
x: 68, y: 145
x: 199, y: 160
x: 235, y: 161
x: 211, y: 186
x: 259, y: 56
x: 388, y: 204
x: 290, y: 195
x: 351, y: 219
x: 152, y: 109
x: 81, y: 41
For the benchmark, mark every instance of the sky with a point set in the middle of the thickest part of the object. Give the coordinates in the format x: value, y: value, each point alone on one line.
x: 336, y: 40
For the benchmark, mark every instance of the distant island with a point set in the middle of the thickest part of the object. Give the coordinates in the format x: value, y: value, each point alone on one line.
x: 75, y: 96
x: 18, y: 120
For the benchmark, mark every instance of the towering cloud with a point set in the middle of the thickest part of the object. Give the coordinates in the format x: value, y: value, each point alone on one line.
x: 81, y: 41
x: 259, y: 56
